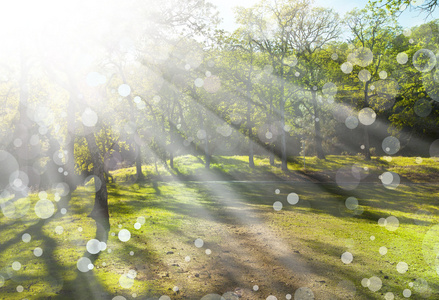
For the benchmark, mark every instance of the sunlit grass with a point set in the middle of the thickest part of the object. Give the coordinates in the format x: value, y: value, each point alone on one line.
x: 320, y: 228
x: 190, y: 167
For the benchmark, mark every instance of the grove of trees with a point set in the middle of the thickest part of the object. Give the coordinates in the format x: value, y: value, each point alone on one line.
x: 163, y: 80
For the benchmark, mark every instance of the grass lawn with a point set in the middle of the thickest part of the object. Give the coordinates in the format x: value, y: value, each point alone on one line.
x: 234, y: 231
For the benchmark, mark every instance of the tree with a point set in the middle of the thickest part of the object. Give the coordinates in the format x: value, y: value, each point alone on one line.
x: 273, y: 38
x: 398, y: 6
x: 241, y: 69
x: 415, y: 116
x: 372, y: 31
x: 313, y: 29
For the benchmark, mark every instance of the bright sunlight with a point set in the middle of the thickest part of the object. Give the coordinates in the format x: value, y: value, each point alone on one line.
x: 148, y: 151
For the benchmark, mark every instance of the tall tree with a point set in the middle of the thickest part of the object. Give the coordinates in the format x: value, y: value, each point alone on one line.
x: 244, y: 49
x: 415, y: 116
x: 372, y: 29
x: 273, y: 38
x: 314, y: 28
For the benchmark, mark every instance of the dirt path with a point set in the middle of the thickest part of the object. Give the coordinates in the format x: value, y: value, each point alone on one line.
x: 249, y: 259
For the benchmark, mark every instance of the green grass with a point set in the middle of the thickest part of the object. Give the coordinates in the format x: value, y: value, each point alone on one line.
x: 235, y: 220
x: 188, y: 167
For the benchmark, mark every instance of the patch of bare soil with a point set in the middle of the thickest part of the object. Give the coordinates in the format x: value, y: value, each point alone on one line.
x: 243, y: 257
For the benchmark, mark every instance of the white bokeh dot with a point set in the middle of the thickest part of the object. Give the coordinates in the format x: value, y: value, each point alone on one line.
x: 199, y: 243
x: 402, y: 58
x: 126, y: 280
x: 93, y: 246
x: 392, y: 223
x: 277, y: 206
x: 124, y: 90
x: 83, y: 264
x: 89, y: 117
x: 402, y: 267
x: 38, y: 251
x: 347, y: 258
x: 351, y: 203
x: 375, y: 284
x: 389, y: 296
x: 26, y: 237
x: 59, y: 229
x: 293, y: 198
x: 199, y: 82
x: 44, y: 209
x: 124, y: 235
x: 16, y: 266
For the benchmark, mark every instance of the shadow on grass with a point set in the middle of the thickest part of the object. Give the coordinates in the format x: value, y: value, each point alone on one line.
x: 220, y: 198
x: 56, y: 280
x: 230, y: 204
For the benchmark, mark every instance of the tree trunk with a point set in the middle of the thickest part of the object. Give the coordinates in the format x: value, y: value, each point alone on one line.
x: 317, y: 131
x: 23, y: 124
x: 282, y: 123
x: 171, y: 146
x: 165, y: 155
x: 171, y: 160
x: 271, y: 154
x: 140, y: 176
x: 72, y: 179
x: 207, y: 158
x: 283, y: 140
x: 366, y: 143
x: 366, y: 130
x: 271, y: 157
x: 251, y: 162
x: 206, y: 152
x: 100, y: 209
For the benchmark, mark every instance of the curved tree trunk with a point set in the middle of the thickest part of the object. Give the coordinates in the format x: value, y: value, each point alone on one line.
x: 100, y: 209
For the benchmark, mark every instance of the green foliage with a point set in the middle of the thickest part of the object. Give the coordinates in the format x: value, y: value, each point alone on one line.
x: 398, y: 6
x: 107, y: 140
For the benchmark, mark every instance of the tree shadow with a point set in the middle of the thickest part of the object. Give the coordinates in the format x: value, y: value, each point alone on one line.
x: 230, y: 204
x: 56, y: 278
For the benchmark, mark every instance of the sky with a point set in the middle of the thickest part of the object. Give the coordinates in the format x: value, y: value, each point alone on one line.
x: 407, y: 19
